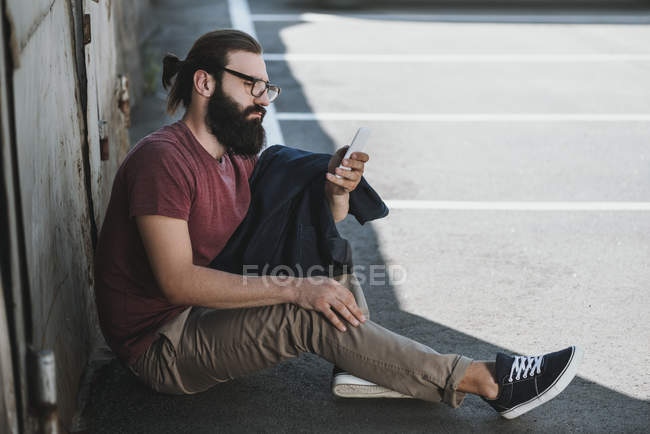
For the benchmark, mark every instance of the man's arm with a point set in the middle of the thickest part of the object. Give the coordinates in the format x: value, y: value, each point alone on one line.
x: 339, y: 205
x: 169, y: 249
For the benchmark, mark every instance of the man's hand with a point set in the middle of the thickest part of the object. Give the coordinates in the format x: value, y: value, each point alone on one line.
x: 351, y: 178
x: 337, y: 190
x: 326, y: 295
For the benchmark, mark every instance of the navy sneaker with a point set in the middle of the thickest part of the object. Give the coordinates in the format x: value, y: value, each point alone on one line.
x: 528, y: 382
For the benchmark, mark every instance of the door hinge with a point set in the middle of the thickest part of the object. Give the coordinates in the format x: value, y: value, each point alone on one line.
x: 86, y: 29
x: 103, y: 140
x: 42, y: 373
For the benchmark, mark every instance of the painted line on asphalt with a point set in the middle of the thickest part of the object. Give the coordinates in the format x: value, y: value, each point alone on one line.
x: 640, y: 18
x: 469, y: 117
x: 240, y: 18
x: 517, y: 206
x: 456, y: 58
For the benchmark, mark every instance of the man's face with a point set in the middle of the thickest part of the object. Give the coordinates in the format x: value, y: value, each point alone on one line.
x: 234, y: 115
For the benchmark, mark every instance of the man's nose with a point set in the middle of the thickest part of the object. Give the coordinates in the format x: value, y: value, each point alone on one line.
x: 263, y: 99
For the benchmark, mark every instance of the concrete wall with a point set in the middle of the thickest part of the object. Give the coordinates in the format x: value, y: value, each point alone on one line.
x: 62, y: 89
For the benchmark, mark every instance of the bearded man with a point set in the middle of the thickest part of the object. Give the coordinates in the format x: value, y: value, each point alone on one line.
x: 182, y: 327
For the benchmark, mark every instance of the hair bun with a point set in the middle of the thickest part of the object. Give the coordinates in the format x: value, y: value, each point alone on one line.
x: 171, y: 65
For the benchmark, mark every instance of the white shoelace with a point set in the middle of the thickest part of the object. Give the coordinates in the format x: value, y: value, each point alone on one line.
x: 525, y: 366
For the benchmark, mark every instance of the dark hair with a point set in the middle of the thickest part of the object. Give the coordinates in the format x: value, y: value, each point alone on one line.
x: 210, y: 53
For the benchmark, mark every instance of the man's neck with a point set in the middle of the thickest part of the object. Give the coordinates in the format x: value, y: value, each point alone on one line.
x: 204, y: 136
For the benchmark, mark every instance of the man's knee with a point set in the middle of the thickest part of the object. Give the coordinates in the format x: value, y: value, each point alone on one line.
x: 294, y: 316
x: 297, y: 326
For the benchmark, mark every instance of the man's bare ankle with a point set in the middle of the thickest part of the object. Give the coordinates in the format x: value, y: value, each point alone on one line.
x: 480, y: 380
x: 491, y: 387
x: 490, y: 391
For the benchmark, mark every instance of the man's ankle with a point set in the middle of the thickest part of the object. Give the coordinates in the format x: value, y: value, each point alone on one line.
x: 480, y: 380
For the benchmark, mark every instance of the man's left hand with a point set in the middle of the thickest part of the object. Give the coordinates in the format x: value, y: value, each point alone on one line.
x: 350, y: 178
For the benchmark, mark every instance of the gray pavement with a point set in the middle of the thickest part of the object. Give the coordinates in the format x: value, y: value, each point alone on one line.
x: 447, y: 88
x: 477, y: 282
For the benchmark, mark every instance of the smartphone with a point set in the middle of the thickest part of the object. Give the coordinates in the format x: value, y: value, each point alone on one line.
x: 358, y: 144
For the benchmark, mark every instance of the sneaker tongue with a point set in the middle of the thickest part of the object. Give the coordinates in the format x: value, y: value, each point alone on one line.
x: 503, y: 366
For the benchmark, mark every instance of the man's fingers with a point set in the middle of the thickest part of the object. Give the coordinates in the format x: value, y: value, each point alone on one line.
x: 354, y: 164
x: 348, y: 174
x: 345, y: 313
x: 331, y: 316
x: 347, y: 184
x: 342, y: 182
x: 354, y: 308
x: 361, y: 156
x: 351, y: 304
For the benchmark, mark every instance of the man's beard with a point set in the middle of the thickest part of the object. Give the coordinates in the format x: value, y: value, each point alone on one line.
x: 229, y: 124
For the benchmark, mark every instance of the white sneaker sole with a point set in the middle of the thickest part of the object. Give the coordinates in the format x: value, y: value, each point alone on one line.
x: 349, y: 386
x: 560, y: 384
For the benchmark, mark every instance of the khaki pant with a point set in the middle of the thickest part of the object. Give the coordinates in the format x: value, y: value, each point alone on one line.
x: 203, y: 347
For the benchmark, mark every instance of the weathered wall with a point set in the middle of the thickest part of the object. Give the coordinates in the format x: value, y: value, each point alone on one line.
x: 103, y: 94
x: 49, y: 140
x: 63, y: 183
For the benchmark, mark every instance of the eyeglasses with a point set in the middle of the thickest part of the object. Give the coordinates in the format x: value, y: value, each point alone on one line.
x: 259, y: 86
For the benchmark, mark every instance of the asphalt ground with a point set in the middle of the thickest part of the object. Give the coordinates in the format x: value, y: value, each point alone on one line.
x: 477, y: 281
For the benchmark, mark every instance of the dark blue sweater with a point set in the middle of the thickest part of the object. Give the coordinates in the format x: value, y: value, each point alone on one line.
x: 289, y: 222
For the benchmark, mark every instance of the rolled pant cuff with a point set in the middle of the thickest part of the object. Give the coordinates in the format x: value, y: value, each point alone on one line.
x: 451, y: 395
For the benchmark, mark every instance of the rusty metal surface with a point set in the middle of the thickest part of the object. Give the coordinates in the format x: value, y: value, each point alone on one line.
x: 49, y: 132
x: 104, y: 90
x: 64, y: 175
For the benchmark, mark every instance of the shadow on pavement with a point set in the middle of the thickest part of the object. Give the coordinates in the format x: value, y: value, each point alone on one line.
x: 294, y: 396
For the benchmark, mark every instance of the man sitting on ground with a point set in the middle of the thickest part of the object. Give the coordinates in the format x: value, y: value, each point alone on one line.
x: 183, y: 327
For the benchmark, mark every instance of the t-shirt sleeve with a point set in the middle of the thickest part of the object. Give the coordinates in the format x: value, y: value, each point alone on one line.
x: 159, y: 182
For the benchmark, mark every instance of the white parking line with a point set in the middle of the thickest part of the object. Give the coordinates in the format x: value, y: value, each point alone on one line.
x: 632, y: 18
x: 456, y: 58
x: 468, y: 117
x: 517, y: 206
x: 240, y: 18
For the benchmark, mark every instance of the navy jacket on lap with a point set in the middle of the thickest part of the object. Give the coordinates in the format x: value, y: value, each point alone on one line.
x: 289, y: 222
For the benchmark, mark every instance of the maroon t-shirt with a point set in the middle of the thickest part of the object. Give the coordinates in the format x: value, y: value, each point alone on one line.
x: 167, y: 173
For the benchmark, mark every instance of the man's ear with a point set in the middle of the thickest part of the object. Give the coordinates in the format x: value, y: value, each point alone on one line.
x: 203, y: 83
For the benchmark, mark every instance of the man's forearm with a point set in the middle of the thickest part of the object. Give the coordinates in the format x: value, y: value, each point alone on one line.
x: 339, y: 205
x: 202, y: 286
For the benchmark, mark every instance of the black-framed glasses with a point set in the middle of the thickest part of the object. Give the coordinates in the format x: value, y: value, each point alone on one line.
x: 259, y: 86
